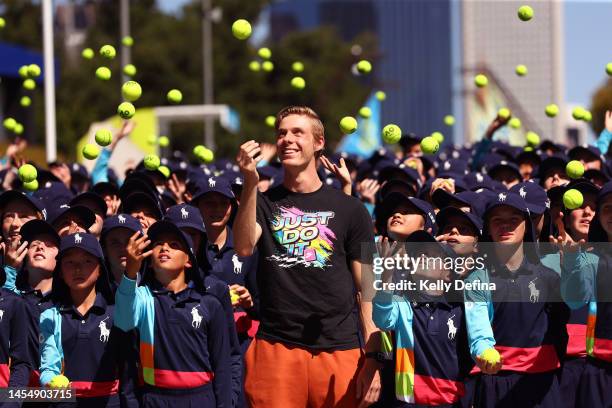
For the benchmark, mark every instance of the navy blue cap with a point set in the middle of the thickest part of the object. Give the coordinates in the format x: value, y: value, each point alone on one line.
x: 88, y: 195
x: 212, y: 185
x: 185, y: 216
x: 85, y: 214
x: 549, y: 145
x: 515, y: 201
x: 79, y: 170
x: 138, y: 199
x: 392, y: 200
x: 400, y: 172
x: 120, y: 221
x: 605, y: 190
x: 398, y: 186
x: 442, y: 198
x: 54, y: 193
x: 138, y: 181
x: 583, y: 185
x: 14, y: 195
x: 551, y: 162
x: 503, y: 164
x: 476, y: 180
x: 452, y: 166
x: 422, y: 236
x: 490, y: 160
x: 35, y: 228
x: 534, y: 195
x: 267, y: 172
x: 527, y: 156
x: 84, y: 241
x: 594, y: 175
x: 104, y: 187
x: 589, y: 150
x: 447, y: 212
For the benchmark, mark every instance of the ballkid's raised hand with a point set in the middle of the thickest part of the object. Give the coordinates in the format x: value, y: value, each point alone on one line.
x: 564, y: 241
x: 136, y: 253
x: 341, y: 172
x: 248, y: 157
x: 15, y: 253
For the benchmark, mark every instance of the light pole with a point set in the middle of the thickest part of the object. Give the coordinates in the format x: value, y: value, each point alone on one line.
x: 50, y: 127
x: 209, y: 128
x: 126, y: 53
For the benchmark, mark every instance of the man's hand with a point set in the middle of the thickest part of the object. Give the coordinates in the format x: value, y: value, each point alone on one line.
x: 368, y: 383
x: 14, y: 253
x: 341, y: 172
x: 136, y: 253
x: 244, y: 297
x: 247, y: 160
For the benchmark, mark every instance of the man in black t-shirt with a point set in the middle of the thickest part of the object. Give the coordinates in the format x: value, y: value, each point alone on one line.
x: 309, y: 237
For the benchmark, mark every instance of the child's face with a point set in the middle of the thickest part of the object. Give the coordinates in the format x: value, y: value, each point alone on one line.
x: 605, y: 216
x: 507, y: 225
x: 42, y: 252
x: 554, y: 177
x: 579, y: 220
x: 15, y: 214
x: 216, y: 209
x: 404, y: 220
x: 460, y: 234
x: 115, y: 244
x: 79, y: 269
x: 169, y: 256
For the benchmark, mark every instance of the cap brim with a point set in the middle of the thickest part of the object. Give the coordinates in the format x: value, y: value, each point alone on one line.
x: 161, y: 227
x: 444, y: 214
x: 11, y: 195
x: 35, y: 228
x: 139, y: 198
x: 85, y: 214
x: 99, y: 201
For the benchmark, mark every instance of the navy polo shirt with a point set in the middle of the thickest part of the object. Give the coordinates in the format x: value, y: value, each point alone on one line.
x: 13, y: 341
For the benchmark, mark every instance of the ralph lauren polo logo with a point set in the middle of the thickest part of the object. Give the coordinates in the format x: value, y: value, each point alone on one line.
x: 452, y: 330
x: 104, y: 331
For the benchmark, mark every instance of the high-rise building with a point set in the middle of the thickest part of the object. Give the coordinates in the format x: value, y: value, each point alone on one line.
x: 414, y: 38
x: 495, y: 41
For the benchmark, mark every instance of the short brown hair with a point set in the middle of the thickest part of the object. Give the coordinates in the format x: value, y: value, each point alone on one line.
x: 318, y: 130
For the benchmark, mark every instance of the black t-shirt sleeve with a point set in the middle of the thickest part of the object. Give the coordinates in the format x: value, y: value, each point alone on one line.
x: 260, y: 215
x: 360, y: 235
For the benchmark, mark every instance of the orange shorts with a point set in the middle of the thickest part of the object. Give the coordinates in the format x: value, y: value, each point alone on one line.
x: 285, y: 376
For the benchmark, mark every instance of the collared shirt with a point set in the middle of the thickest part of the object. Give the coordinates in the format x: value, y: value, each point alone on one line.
x: 13, y: 341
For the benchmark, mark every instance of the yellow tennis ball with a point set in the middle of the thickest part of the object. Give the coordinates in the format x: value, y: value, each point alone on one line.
x: 90, y: 151
x: 27, y: 173
x: 199, y: 150
x: 151, y: 139
x: 449, y: 120
x: 587, y: 116
x: 514, y: 123
x: 59, y: 381
x: 270, y: 121
x: 131, y: 91
x: 164, y: 170
x: 108, y: 51
x: 533, y: 139
x: 234, y: 297
x: 298, y: 82
x: 104, y: 137
x: 29, y: 84
x: 504, y: 113
x: 88, y: 53
x: 525, y: 13
x: 208, y: 156
x: 163, y: 141
x: 348, y: 124
x: 365, y: 112
x: 391, y: 133
x: 127, y: 41
x: 573, y: 199
x: 31, y: 186
x: 126, y: 110
x: 2, y: 23
x: 267, y: 66
x: 174, y: 96
x: 33, y: 71
x: 297, y: 66
x: 103, y: 73
x: 364, y: 66
x: 18, y: 129
x: 439, y: 137
x: 551, y: 110
x: 264, y: 53
x: 578, y: 113
x: 429, y: 145
x: 521, y: 70
x: 491, y: 356
x: 25, y: 101
x: 241, y: 29
x: 381, y: 96
x: 23, y: 71
x: 254, y: 66
x: 151, y: 162
x: 481, y: 80
x: 574, y: 169
x: 130, y: 70
x: 9, y: 123
x: 609, y: 68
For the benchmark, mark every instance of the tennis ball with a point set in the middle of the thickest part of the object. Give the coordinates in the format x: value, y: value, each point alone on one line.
x: 298, y: 82
x: 199, y: 150
x: 25, y: 101
x: 234, y: 297
x: 578, y: 113
x: 504, y: 113
x: 29, y: 84
x: 151, y: 162
x: 9, y: 123
x: 87, y: 53
x: 439, y: 137
x: 449, y: 120
x: 208, y: 156
x: 59, y: 381
x: 364, y: 66
x: 23, y: 71
x: 34, y: 71
x: 587, y: 117
x: 151, y: 139
x: 108, y: 51
x: 381, y: 96
x: 298, y: 66
x: 609, y: 68
x: 254, y: 66
x: 551, y: 110
x: 164, y: 170
x: 129, y: 70
x: 391, y: 133
x: 574, y: 169
x: 127, y: 41
x: 365, y: 112
x: 267, y: 66
x: 163, y: 141
x: 481, y: 80
x: 90, y: 151
x: 573, y: 199
x: 103, y: 73
x: 2, y: 22
x: 126, y: 110
x: 31, y: 186
x: 525, y: 13
x: 131, y: 91
x: 532, y: 138
x: 270, y: 121
x: 264, y: 53
x: 521, y: 70
x: 348, y: 125
x: 514, y: 123
x: 528, y: 149
x: 27, y: 173
x: 104, y: 137
x: 491, y: 356
x: 241, y: 29
x: 18, y: 129
x: 174, y: 96
x: 429, y: 145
